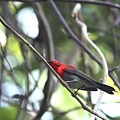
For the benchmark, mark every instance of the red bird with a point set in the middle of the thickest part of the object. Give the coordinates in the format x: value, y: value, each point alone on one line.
x: 77, y: 79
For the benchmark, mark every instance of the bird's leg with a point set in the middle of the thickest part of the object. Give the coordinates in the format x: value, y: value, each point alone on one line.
x: 79, y: 89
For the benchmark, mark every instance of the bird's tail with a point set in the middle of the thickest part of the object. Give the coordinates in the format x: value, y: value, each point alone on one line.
x: 105, y: 88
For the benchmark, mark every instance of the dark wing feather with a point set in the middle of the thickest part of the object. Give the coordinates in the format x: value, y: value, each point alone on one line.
x: 105, y: 88
x: 79, y: 80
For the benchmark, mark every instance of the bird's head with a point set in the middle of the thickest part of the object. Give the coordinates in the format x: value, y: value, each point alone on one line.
x: 54, y: 64
x: 59, y: 67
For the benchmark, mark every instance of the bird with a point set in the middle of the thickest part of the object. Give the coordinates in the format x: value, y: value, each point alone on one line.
x: 76, y: 79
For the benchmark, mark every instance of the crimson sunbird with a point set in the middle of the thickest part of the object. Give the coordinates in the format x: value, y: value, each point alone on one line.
x: 77, y: 79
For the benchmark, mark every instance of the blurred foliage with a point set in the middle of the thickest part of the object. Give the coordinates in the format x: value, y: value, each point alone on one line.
x: 28, y: 72
x: 8, y: 113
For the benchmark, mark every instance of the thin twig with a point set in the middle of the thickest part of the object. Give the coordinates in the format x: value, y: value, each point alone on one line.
x: 106, y: 32
x: 45, y: 62
x: 115, y: 68
x: 5, y: 57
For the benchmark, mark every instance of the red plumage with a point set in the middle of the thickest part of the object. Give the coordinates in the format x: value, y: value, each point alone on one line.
x: 77, y: 79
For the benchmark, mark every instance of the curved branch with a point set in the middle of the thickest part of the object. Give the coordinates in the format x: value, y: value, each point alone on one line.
x: 85, y: 36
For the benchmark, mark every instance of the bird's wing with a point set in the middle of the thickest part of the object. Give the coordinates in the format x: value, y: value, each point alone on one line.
x: 79, y: 80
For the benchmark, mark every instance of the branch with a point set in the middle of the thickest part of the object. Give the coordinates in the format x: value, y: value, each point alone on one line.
x: 45, y: 62
x: 86, y: 38
x: 4, y: 56
x: 115, y: 68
